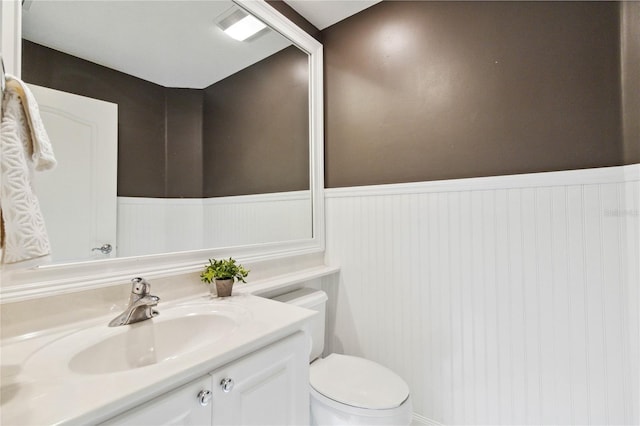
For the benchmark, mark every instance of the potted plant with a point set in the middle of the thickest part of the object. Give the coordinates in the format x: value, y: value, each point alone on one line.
x: 224, y: 273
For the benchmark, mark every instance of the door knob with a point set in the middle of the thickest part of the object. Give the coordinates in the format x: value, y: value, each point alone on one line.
x: 204, y: 397
x: 226, y: 385
x: 105, y: 249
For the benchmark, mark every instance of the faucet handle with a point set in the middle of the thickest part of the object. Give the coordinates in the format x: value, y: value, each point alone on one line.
x: 140, y: 286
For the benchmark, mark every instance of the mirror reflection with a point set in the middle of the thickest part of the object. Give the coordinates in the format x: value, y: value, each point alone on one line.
x: 210, y: 144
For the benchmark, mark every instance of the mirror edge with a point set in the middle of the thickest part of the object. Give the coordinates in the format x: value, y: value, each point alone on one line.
x: 23, y: 284
x: 10, y: 47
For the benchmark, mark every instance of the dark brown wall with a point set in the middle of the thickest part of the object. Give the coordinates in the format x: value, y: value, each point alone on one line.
x: 141, y: 112
x: 256, y: 128
x: 630, y: 51
x: 419, y: 91
x: 263, y: 109
x: 184, y: 143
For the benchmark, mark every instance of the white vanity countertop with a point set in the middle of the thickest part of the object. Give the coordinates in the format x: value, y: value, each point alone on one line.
x: 37, y: 393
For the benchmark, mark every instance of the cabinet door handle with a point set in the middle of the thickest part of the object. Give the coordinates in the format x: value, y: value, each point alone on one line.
x: 204, y: 397
x: 226, y: 385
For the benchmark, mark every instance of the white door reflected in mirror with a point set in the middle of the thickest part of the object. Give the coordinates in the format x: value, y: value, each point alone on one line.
x: 78, y: 198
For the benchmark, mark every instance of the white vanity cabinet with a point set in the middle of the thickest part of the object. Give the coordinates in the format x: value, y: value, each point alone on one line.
x: 266, y: 387
x: 269, y: 387
x: 177, y: 407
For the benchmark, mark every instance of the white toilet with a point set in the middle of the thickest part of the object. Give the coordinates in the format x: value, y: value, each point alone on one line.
x: 347, y: 390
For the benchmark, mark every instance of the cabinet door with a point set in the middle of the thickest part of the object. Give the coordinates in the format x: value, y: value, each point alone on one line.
x: 180, y: 407
x: 268, y: 387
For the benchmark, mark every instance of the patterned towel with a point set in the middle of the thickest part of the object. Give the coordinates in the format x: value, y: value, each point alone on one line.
x: 24, y: 147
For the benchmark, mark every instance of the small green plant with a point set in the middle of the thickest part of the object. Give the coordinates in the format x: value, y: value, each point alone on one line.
x: 223, y: 269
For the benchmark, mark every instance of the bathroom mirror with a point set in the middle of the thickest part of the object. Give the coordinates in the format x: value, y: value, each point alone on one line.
x: 168, y: 258
x: 203, y: 118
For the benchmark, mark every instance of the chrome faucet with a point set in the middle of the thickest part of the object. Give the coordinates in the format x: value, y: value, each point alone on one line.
x: 141, y: 304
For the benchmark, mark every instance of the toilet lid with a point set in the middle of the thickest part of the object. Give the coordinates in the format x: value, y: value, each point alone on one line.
x: 358, y: 382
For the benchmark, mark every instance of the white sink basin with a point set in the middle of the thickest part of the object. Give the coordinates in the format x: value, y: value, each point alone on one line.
x: 176, y: 331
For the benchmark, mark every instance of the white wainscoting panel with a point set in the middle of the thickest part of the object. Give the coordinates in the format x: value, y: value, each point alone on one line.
x: 173, y: 224
x: 506, y: 300
x: 254, y: 219
x: 158, y: 225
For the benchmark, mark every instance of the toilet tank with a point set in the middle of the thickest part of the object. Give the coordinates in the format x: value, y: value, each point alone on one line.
x: 316, y: 300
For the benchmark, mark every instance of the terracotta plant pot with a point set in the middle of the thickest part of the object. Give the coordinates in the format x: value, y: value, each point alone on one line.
x: 223, y: 287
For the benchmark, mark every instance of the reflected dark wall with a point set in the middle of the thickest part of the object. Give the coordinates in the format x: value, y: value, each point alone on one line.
x: 256, y: 125
x: 141, y: 112
x: 419, y: 91
x: 184, y: 171
x: 160, y: 130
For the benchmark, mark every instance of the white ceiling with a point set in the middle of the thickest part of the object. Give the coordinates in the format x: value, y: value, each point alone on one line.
x: 170, y: 43
x: 324, y: 13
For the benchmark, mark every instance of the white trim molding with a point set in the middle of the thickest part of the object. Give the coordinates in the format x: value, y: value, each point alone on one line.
x: 526, y: 180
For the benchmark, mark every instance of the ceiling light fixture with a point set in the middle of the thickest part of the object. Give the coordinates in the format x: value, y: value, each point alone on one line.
x: 240, y: 26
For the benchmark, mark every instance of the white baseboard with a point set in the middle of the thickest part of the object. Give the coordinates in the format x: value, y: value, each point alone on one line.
x: 418, y: 420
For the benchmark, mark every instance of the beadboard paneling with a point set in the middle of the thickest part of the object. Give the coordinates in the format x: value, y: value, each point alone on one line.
x: 255, y: 219
x: 172, y: 224
x: 507, y: 300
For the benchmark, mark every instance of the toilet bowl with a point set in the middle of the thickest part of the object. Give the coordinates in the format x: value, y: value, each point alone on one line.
x: 348, y: 390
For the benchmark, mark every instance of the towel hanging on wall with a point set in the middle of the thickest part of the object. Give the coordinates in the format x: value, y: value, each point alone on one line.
x: 24, y: 147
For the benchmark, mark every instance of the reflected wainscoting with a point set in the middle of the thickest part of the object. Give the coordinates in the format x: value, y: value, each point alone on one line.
x: 162, y: 225
x: 501, y: 300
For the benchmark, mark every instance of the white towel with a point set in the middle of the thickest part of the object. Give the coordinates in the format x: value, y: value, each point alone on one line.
x: 24, y: 147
